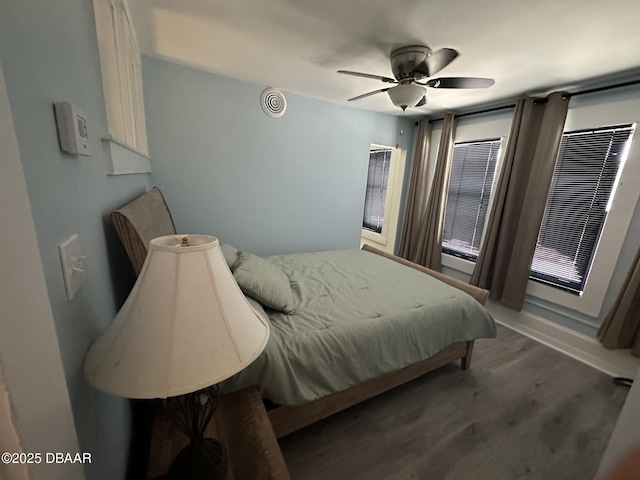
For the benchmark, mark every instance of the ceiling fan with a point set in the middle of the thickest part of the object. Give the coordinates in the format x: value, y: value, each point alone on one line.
x: 410, y: 66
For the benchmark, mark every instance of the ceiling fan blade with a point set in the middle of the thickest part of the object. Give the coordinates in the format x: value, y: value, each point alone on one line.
x: 423, y: 101
x: 368, y: 94
x: 460, y: 82
x: 436, y: 61
x: 368, y: 75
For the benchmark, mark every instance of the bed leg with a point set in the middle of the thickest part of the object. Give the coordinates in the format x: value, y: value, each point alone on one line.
x: 465, y: 362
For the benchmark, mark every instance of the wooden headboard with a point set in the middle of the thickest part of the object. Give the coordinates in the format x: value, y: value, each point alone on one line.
x: 140, y: 221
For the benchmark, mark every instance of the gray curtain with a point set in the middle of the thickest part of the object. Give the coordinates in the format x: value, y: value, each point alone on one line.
x: 429, y: 247
x: 621, y: 328
x: 520, y: 197
x: 417, y: 197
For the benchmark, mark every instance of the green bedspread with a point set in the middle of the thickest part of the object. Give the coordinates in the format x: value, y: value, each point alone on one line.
x: 357, y: 315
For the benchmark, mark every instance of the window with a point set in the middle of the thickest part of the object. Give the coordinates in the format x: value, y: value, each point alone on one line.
x: 122, y: 85
x: 584, y: 182
x: 376, y: 193
x: 473, y: 168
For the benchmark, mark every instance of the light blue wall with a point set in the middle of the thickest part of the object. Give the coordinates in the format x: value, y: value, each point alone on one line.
x: 267, y: 185
x: 49, y: 53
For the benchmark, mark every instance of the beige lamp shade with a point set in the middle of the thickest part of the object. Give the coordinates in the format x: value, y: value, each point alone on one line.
x: 185, y: 326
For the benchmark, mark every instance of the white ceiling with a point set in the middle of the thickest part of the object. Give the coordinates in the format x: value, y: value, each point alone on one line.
x: 530, y: 46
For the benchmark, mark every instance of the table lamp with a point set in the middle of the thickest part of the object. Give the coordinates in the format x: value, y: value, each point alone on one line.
x: 185, y: 326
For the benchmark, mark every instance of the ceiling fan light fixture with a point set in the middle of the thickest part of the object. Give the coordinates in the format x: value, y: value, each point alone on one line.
x: 406, y: 95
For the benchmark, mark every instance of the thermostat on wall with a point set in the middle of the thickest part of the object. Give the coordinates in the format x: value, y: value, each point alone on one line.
x: 72, y: 128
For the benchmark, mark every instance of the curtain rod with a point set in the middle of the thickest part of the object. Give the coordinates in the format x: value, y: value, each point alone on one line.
x: 606, y: 87
x: 574, y: 94
x: 477, y: 112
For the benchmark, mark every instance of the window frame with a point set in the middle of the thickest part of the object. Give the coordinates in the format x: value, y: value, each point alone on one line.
x: 121, y: 71
x: 461, y: 255
x: 589, y: 114
x: 556, y: 281
x: 386, y: 238
x: 495, y: 124
x: 389, y: 178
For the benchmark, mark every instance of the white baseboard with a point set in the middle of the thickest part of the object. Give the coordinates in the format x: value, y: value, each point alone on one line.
x: 616, y: 363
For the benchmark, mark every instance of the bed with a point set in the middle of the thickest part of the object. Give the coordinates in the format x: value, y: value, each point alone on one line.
x: 356, y: 323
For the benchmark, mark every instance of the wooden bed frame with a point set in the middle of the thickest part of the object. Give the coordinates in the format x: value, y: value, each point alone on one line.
x: 148, y: 216
x: 288, y: 419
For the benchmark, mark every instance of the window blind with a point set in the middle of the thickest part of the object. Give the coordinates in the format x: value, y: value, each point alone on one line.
x: 376, y: 193
x: 473, y: 168
x: 584, y: 180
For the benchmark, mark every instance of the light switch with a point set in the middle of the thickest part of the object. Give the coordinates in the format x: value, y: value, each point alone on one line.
x: 73, y: 267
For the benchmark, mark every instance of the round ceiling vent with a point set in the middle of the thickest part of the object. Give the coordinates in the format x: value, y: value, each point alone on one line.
x: 273, y: 102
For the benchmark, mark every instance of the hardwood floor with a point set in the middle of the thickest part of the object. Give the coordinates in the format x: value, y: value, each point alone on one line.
x: 523, y: 410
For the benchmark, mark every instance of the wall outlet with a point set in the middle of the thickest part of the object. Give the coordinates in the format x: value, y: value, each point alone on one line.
x: 73, y: 265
